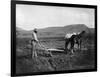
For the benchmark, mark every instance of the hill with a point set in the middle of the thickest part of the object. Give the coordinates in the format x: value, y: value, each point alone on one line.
x: 56, y: 31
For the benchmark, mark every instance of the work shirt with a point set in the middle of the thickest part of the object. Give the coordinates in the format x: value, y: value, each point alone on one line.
x: 34, y: 36
x: 68, y: 35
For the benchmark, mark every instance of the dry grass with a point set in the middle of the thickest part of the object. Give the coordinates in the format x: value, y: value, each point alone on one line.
x: 84, y: 59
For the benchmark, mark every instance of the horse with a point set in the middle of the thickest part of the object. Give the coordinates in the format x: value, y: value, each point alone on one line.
x: 68, y: 40
x: 78, y: 39
x: 75, y: 38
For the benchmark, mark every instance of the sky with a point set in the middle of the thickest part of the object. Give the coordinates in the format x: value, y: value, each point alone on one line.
x: 29, y: 17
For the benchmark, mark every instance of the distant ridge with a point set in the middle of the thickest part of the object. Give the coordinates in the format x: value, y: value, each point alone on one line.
x: 56, y: 31
x: 76, y: 28
x: 20, y: 29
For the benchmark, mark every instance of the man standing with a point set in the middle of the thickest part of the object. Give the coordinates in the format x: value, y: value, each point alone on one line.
x: 34, y: 42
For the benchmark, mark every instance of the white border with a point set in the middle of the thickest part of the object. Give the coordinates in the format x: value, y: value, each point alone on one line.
x: 5, y: 19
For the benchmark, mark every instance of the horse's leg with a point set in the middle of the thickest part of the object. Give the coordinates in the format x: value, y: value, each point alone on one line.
x: 66, y: 45
x: 72, y: 47
x: 31, y: 49
x: 80, y: 43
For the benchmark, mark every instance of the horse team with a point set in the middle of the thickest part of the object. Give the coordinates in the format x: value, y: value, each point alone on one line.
x: 72, y: 39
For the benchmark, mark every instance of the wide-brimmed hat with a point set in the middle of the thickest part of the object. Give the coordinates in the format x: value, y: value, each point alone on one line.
x: 35, y: 30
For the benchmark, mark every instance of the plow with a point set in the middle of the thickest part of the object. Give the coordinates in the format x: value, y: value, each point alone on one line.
x: 50, y: 49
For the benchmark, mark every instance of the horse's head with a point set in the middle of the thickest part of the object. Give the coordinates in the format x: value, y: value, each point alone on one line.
x: 82, y: 33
